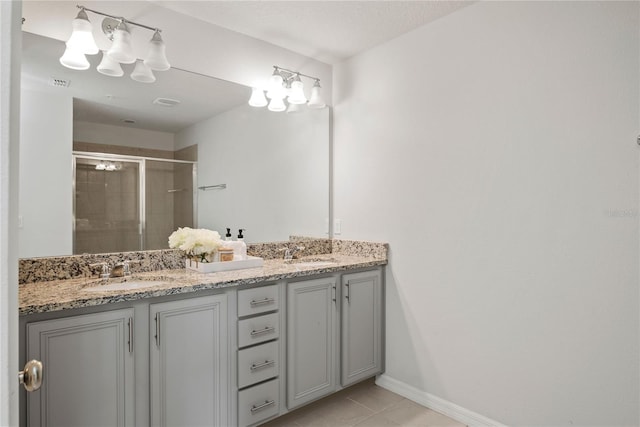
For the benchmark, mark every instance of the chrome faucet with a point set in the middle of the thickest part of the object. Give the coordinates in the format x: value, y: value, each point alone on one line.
x: 118, y: 270
x: 122, y: 269
x: 290, y: 252
x: 106, y: 270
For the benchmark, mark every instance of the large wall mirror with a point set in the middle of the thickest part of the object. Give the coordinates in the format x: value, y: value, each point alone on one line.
x: 107, y: 161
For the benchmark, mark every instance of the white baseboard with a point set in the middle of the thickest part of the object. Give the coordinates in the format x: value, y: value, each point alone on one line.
x: 438, y: 404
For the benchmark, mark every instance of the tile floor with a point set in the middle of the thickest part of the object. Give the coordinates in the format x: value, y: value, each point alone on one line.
x: 364, y: 404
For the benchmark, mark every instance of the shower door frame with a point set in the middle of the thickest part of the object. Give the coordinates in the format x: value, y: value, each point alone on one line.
x: 142, y: 166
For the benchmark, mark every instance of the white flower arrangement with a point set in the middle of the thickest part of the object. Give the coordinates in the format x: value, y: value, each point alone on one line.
x: 199, y: 244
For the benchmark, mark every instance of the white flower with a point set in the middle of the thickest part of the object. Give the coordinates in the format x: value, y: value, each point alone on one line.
x: 195, y: 241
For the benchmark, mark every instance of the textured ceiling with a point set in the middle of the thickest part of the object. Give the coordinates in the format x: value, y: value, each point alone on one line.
x: 329, y: 31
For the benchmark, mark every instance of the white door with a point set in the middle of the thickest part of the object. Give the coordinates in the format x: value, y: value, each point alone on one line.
x: 10, y: 48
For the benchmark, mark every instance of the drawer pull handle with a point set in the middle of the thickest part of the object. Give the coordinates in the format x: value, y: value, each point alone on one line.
x: 264, y: 364
x: 266, y: 330
x: 262, y: 406
x: 254, y: 303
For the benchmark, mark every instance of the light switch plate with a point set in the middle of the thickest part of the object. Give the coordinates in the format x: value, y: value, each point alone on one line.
x: 337, y: 226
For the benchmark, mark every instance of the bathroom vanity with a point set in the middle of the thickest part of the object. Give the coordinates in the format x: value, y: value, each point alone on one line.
x: 228, y: 348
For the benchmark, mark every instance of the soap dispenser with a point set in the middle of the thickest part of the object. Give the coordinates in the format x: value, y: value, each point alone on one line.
x: 227, y: 236
x: 242, y: 245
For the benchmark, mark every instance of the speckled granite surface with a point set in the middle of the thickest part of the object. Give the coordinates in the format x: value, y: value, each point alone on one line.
x: 275, y: 250
x: 41, y: 297
x: 88, y: 265
x: 359, y: 248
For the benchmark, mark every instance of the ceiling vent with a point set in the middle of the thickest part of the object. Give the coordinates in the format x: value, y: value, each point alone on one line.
x: 166, y: 102
x: 55, y: 82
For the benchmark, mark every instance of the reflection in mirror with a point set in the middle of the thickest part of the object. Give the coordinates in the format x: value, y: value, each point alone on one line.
x: 275, y: 165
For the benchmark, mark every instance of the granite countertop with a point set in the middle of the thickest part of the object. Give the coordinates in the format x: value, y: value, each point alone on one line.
x: 56, y: 295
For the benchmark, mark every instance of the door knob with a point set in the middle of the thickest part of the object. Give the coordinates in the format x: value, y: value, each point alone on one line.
x: 31, y: 376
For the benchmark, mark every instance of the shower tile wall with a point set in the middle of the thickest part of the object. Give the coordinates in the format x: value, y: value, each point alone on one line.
x: 160, y: 204
x: 183, y: 200
x: 106, y: 209
x: 107, y: 202
x: 169, y: 201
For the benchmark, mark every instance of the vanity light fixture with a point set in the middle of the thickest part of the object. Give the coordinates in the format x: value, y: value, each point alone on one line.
x: 316, y: 100
x: 116, y: 29
x: 142, y: 73
x: 156, y: 58
x: 109, y: 66
x: 80, y: 43
x: 286, y: 84
x: 296, y: 94
x: 257, y: 98
x: 121, y: 50
x: 108, y: 167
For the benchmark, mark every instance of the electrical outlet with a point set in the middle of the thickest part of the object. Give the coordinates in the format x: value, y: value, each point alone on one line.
x: 337, y: 226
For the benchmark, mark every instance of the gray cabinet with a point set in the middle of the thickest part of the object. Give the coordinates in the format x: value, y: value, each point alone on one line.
x: 314, y: 328
x: 188, y: 355
x: 258, y: 355
x: 311, y: 340
x: 361, y: 325
x: 236, y: 358
x: 89, y: 370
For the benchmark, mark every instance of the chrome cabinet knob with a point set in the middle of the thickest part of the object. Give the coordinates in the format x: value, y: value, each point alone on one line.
x: 31, y: 376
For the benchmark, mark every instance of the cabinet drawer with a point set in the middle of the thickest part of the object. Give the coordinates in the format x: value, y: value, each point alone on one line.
x: 257, y: 300
x: 258, y: 403
x: 258, y: 329
x: 257, y: 364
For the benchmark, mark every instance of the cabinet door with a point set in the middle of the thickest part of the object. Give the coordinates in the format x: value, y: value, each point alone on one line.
x: 361, y: 326
x: 89, y: 370
x: 188, y: 355
x: 311, y: 340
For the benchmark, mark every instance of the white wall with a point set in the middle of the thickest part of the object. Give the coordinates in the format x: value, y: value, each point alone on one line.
x: 45, y: 174
x: 494, y: 149
x: 99, y: 133
x: 275, y: 165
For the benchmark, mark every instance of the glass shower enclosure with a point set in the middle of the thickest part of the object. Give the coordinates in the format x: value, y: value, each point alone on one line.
x: 129, y: 203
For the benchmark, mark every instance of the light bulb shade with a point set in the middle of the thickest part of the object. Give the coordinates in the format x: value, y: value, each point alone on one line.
x: 275, y: 81
x: 109, y: 67
x: 74, y: 59
x: 257, y: 98
x: 121, y: 49
x: 275, y: 89
x: 142, y: 73
x: 316, y: 100
x: 277, y: 104
x: 81, y: 39
x: 156, y: 58
x: 297, y: 93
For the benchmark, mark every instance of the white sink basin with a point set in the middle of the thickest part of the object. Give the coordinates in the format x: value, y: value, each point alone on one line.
x: 124, y: 286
